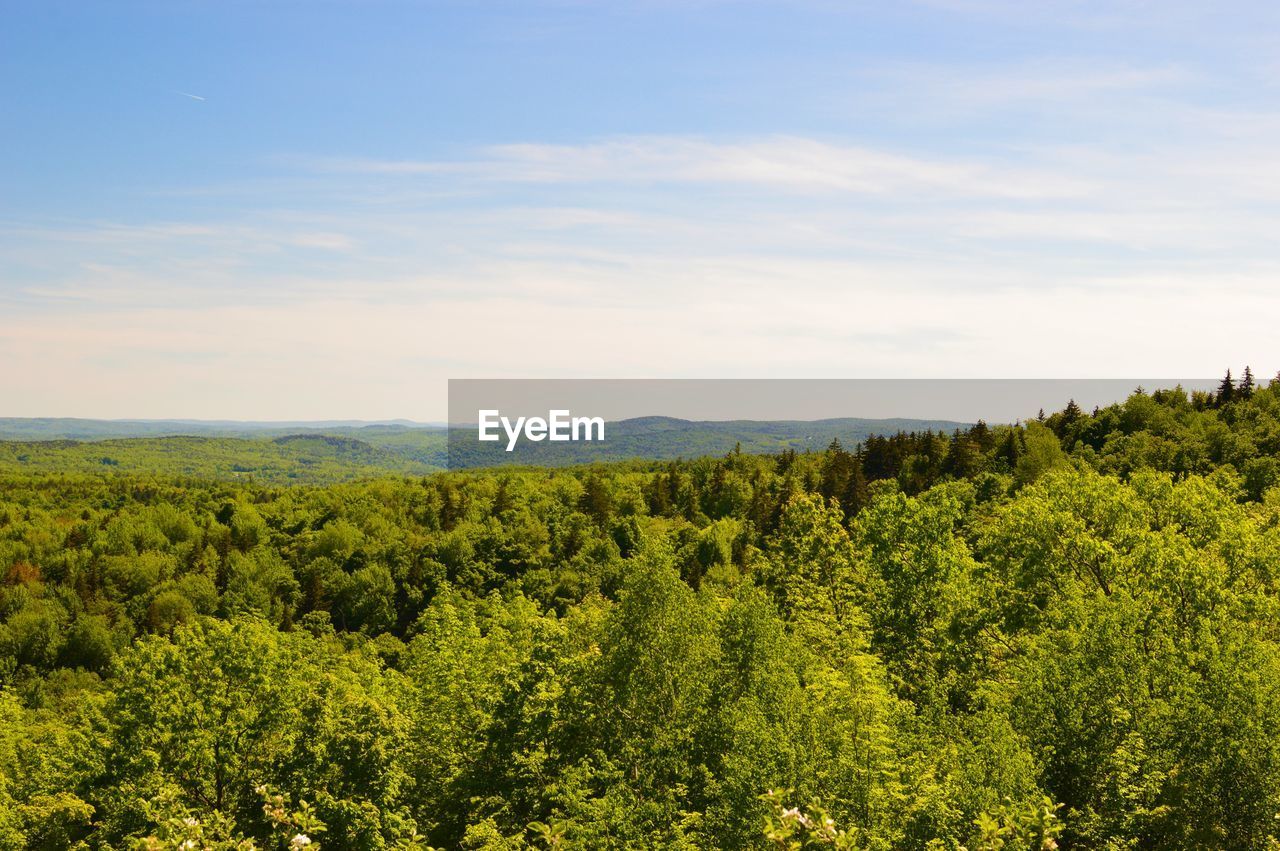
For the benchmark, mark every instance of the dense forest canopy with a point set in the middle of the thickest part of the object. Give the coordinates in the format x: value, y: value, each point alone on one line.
x: 1063, y: 633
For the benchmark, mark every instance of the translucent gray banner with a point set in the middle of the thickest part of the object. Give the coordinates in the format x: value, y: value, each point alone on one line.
x: 555, y: 422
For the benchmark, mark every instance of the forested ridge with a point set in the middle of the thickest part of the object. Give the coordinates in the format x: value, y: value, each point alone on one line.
x: 1063, y: 633
x: 309, y: 458
x: 325, y: 454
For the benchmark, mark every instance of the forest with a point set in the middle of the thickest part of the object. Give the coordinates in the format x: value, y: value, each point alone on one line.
x: 1062, y: 633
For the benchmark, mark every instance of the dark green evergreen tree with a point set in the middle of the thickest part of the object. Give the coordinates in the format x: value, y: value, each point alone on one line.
x: 1245, y: 389
x: 1226, y: 390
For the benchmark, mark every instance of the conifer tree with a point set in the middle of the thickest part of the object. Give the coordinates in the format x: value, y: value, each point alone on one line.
x: 1226, y: 390
x: 836, y: 471
x: 1245, y: 388
x: 1011, y: 449
x: 1064, y: 423
x: 855, y: 495
x: 981, y: 436
x: 963, y: 458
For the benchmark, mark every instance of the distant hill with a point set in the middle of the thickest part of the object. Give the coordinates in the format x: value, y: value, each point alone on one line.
x: 406, y: 447
x: 290, y: 459
x: 668, y: 438
x: 75, y: 428
x: 319, y: 453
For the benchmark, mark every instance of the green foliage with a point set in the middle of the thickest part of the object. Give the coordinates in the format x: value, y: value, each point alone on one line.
x: 1041, y: 452
x: 1062, y: 633
x: 788, y: 828
x: 288, y: 459
x: 1035, y: 827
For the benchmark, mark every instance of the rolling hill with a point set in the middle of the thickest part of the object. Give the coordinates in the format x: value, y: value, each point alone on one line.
x: 317, y: 453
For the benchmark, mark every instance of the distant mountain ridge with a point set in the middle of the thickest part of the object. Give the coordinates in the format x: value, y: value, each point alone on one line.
x: 669, y: 438
x: 78, y: 428
x: 315, y: 453
x: 84, y: 429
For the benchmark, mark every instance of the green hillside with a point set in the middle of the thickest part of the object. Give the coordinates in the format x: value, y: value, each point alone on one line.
x: 291, y: 459
x: 319, y: 453
x: 76, y: 428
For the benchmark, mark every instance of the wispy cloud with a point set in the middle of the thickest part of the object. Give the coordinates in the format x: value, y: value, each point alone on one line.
x: 962, y: 216
x: 941, y: 93
x: 785, y: 163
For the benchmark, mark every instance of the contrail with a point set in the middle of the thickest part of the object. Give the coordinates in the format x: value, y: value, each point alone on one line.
x: 188, y: 94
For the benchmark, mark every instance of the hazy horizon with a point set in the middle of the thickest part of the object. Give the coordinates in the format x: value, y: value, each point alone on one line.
x: 953, y: 401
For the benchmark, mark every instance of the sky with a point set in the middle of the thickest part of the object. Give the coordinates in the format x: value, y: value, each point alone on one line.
x: 324, y: 210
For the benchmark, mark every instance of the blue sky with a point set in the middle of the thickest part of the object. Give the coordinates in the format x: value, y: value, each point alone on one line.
x: 374, y: 196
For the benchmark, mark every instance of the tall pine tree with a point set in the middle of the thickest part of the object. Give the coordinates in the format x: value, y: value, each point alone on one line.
x: 1226, y: 390
x: 1245, y: 388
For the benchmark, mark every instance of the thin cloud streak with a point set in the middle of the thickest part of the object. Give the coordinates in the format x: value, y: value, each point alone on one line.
x: 787, y: 164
